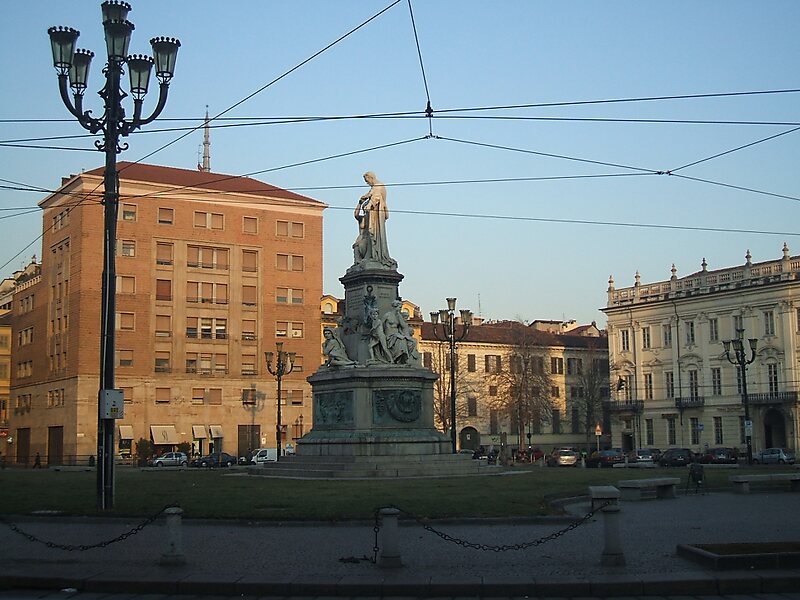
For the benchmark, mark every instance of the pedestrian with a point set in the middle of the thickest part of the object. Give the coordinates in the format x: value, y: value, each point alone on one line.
x: 37, y: 461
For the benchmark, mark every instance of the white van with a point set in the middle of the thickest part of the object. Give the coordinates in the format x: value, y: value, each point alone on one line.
x: 263, y: 455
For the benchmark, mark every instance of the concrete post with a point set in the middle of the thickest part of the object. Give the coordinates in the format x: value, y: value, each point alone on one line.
x: 388, y: 543
x: 173, y: 553
x: 613, y: 555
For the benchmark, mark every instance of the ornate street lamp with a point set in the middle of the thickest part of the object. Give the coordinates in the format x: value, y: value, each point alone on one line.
x: 283, y: 366
x: 740, y: 359
x: 72, y: 67
x: 450, y: 335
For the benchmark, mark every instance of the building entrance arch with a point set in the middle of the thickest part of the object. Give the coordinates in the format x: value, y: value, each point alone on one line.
x: 774, y: 429
x: 469, y: 438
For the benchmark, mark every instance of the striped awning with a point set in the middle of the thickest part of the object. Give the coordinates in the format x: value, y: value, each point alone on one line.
x: 126, y: 432
x: 199, y: 432
x: 164, y: 434
x: 216, y: 431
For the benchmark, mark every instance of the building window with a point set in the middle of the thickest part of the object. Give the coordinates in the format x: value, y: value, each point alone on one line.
x: 295, y: 397
x: 494, y: 422
x: 772, y: 378
x: 694, y: 384
x: 288, y: 295
x: 555, y: 391
x: 769, y: 322
x: 556, y: 365
x: 289, y: 229
x: 249, y: 296
x: 694, y: 427
x: 471, y: 366
x: 648, y: 386
x: 472, y: 406
x: 249, y: 364
x: 427, y: 360
x: 492, y: 363
x: 738, y: 325
x: 162, y: 362
x: 718, y: 438
x: 742, y: 432
x: 126, y: 321
x: 716, y: 381
x: 249, y: 261
x: 649, y: 432
x: 250, y: 224
x: 165, y: 216
x: 574, y: 366
x: 645, y: 338
x: 493, y: 390
x: 126, y: 284
x: 298, y: 363
x: 128, y: 212
x: 576, y: 392
x: 248, y: 330
x: 163, y: 253
x: 689, y: 333
x: 214, y: 395
x: 207, y: 257
x: 289, y: 329
x: 127, y: 248
x: 163, y: 326
x: 163, y: 394
x: 713, y: 330
x: 669, y: 384
x: 671, y: 434
x: 289, y: 262
x: 206, y: 293
x: 738, y: 379
x: 207, y: 220
x: 666, y: 332
x: 124, y: 358
x: 164, y: 290
x: 625, y: 340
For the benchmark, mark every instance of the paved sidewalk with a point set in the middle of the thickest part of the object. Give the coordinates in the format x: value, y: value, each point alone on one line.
x: 235, y: 558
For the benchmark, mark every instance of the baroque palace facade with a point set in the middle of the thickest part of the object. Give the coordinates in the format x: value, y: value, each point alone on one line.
x: 212, y: 271
x: 673, y: 383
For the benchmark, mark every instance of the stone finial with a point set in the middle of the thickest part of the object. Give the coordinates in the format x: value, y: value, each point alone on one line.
x: 610, y: 283
x: 637, y: 279
x: 785, y: 251
x: 674, y: 272
x: 704, y: 264
x: 748, y: 256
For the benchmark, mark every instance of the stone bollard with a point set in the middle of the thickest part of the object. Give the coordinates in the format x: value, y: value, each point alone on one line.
x: 613, y: 555
x: 388, y: 543
x: 173, y: 553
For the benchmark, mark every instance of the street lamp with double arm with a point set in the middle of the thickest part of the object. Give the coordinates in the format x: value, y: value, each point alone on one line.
x: 740, y: 358
x: 283, y: 366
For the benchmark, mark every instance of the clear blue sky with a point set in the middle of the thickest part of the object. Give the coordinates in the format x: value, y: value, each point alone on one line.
x: 475, y: 54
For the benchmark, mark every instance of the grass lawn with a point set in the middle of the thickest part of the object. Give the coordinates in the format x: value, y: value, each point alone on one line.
x: 231, y: 493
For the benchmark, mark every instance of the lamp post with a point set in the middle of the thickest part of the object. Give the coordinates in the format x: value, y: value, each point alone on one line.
x: 449, y: 334
x: 253, y: 400
x: 739, y: 358
x: 72, y: 67
x: 283, y: 366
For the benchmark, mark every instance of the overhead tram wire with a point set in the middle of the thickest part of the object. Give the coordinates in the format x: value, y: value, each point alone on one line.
x: 277, y: 79
x: 428, y: 107
x: 734, y: 187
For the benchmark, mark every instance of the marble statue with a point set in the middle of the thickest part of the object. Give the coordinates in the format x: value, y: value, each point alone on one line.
x: 377, y: 344
x: 399, y: 336
x: 334, y: 350
x: 371, y: 213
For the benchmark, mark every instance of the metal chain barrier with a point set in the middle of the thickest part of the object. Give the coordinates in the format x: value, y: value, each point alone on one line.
x: 82, y: 547
x: 485, y: 547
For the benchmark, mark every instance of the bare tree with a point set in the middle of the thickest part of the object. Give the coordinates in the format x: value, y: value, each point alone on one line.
x: 593, y: 380
x: 440, y: 364
x: 524, y: 384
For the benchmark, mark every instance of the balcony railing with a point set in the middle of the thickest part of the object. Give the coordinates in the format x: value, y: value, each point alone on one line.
x: 773, y: 398
x: 623, y: 406
x: 696, y: 402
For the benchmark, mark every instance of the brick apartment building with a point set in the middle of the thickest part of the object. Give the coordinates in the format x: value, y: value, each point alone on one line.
x: 212, y: 271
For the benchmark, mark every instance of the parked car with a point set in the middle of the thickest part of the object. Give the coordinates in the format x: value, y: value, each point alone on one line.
x: 774, y: 456
x: 641, y: 455
x: 564, y: 458
x: 718, y: 456
x: 217, y: 459
x: 676, y: 457
x: 604, y: 458
x: 655, y: 453
x: 170, y: 459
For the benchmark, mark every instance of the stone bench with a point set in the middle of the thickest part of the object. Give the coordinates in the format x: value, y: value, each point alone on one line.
x: 741, y: 483
x: 639, y: 489
x: 603, y: 494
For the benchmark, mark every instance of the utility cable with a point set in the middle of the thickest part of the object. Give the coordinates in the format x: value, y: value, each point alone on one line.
x: 428, y: 108
x: 766, y: 139
x: 735, y: 187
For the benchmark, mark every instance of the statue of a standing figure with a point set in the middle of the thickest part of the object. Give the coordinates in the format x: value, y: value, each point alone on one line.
x: 371, y: 213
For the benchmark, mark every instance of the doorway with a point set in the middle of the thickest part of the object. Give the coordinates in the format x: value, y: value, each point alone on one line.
x: 774, y: 429
x: 469, y: 438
